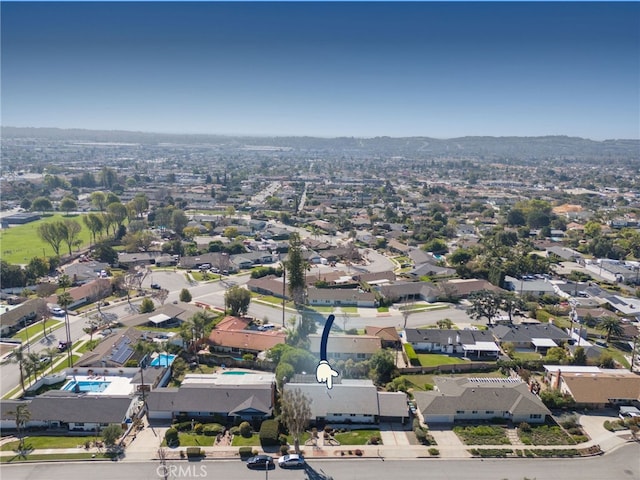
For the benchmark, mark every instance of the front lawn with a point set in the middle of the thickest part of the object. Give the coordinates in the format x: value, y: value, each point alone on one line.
x: 526, y: 356
x: 45, y: 441
x: 355, y: 437
x: 435, y: 359
x: 34, y: 332
x: 57, y: 456
x: 544, y: 435
x: 240, y: 441
x: 482, y: 435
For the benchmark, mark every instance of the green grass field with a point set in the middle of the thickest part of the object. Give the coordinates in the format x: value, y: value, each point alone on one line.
x: 37, y: 443
x: 34, y: 332
x: 434, y: 359
x: 21, y: 243
x: 356, y: 437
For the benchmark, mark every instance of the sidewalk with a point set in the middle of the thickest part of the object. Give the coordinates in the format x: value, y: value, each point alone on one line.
x: 396, y: 445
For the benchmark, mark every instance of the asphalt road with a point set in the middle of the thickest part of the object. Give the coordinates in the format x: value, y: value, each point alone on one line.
x: 621, y: 464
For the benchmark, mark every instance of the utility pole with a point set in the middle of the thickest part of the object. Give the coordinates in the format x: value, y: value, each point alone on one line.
x: 634, y: 352
x: 284, y: 292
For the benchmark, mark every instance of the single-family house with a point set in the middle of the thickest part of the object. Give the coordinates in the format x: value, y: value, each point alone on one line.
x: 25, y: 314
x: 529, y: 286
x: 463, y: 287
x: 470, y: 343
x: 351, y: 401
x: 408, y: 291
x: 241, y: 341
x: 209, y: 400
x: 340, y: 297
x: 269, y: 285
x: 457, y: 399
x: 598, y: 389
x: 77, y: 412
x: 81, y: 273
x: 537, y: 337
x: 389, y: 336
x: 343, y: 347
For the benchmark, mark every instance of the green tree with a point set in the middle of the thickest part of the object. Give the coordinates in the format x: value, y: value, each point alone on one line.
x: 237, y: 299
x: 295, y: 412
x: 98, y: 200
x: 68, y: 204
x: 579, y: 357
x: 556, y: 356
x: 611, y: 326
x: 382, y: 366
x: 21, y: 416
x: 185, y: 295
x: 178, y: 221
x: 445, y: 324
x: 41, y: 204
x: 71, y: 230
x: 295, y: 266
x: 36, y: 268
x: 512, y: 304
x: 111, y: 434
x: 104, y: 252
x: 118, y: 212
x: 52, y: 233
x: 20, y: 358
x: 65, y: 300
x: 484, y: 304
x: 94, y: 223
x: 147, y: 305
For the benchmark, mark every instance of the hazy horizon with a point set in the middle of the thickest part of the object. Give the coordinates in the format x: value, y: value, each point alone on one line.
x: 328, y: 70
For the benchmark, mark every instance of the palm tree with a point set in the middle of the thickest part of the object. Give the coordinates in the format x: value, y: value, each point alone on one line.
x: 51, y: 353
x: 611, y: 326
x: 64, y: 300
x: 20, y: 357
x: 33, y: 364
x: 22, y: 416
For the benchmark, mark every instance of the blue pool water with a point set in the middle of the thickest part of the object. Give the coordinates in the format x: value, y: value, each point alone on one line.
x: 234, y: 373
x: 87, y: 386
x: 162, y: 360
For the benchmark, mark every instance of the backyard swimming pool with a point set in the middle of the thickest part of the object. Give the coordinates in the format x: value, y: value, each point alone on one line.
x: 86, y: 386
x: 162, y: 360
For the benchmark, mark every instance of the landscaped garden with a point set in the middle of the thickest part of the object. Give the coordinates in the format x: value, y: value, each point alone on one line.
x: 482, y: 435
x: 357, y: 437
x: 544, y: 435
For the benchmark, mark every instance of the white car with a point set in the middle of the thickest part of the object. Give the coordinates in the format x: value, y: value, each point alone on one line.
x: 57, y: 311
x: 291, y: 461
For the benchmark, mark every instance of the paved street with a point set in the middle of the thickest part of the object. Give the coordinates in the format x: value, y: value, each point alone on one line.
x: 621, y: 464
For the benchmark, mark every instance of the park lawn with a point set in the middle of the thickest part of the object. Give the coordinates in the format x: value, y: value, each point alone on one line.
x: 240, y: 441
x: 434, y: 359
x: 34, y: 332
x: 46, y: 441
x: 356, y: 437
x: 21, y: 243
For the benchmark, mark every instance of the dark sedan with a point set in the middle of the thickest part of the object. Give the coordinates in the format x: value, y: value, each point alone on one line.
x: 260, y: 462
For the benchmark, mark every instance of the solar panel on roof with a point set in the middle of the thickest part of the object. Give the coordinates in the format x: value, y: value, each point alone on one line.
x: 122, y: 355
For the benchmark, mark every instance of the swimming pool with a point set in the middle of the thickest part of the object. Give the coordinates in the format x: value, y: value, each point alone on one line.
x: 86, y: 386
x: 162, y: 360
x: 234, y: 373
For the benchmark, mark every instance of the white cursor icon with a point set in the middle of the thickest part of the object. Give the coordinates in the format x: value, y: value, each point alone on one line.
x: 324, y: 373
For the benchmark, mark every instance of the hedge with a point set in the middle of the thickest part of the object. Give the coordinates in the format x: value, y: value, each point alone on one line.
x: 245, y: 452
x: 269, y: 433
x: 411, y: 355
x: 194, y: 452
x: 212, y: 429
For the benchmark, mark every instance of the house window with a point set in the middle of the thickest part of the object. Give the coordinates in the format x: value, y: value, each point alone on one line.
x: 459, y: 411
x: 535, y: 415
x: 474, y: 411
x: 361, y: 355
x: 79, y: 424
x: 352, y: 414
x: 489, y: 412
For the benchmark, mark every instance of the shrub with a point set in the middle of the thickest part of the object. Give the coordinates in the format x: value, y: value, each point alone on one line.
x: 212, y: 429
x: 245, y: 429
x: 525, y: 427
x: 234, y: 430
x: 421, y: 435
x: 185, y: 295
x: 171, y: 437
x: 245, y: 452
x: 269, y: 433
x: 284, y: 449
x: 374, y: 440
x: 198, y: 428
x: 434, y: 451
x: 282, y: 438
x: 411, y: 355
x: 358, y: 452
x: 194, y: 452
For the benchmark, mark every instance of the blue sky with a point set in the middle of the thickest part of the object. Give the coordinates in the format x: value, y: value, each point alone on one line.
x: 327, y: 69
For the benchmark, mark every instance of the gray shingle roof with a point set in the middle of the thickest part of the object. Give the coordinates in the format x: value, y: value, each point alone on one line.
x: 64, y: 406
x: 524, y: 333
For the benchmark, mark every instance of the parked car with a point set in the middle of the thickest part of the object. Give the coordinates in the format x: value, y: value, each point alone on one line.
x: 57, y: 312
x: 260, y: 462
x: 155, y: 286
x: 291, y: 461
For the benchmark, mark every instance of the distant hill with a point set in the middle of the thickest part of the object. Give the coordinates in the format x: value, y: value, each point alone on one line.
x: 487, y: 148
